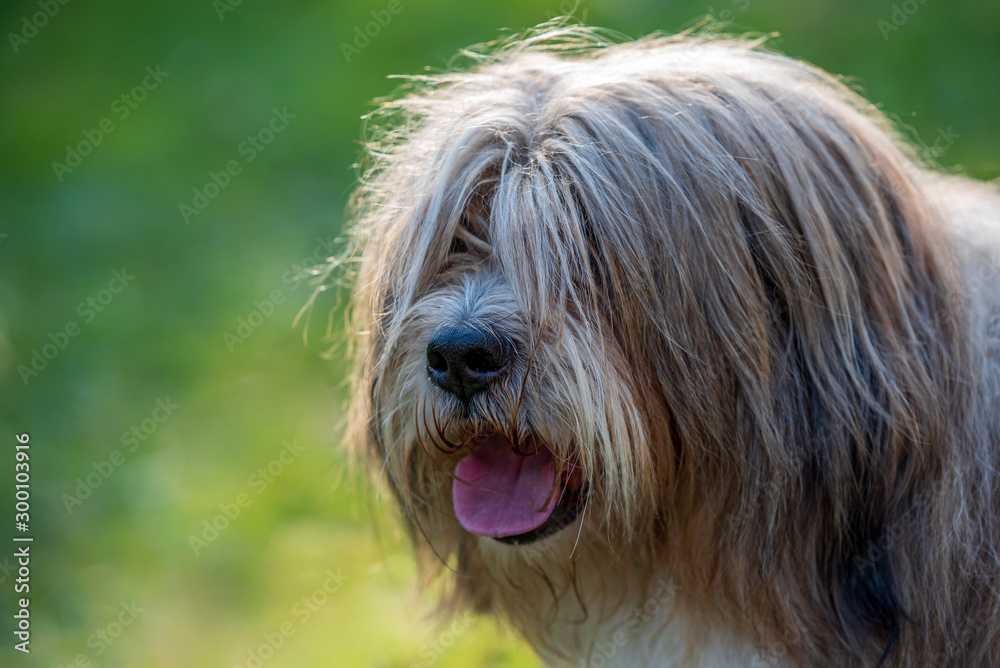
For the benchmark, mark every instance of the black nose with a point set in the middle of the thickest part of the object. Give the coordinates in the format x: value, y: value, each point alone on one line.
x: 464, y: 361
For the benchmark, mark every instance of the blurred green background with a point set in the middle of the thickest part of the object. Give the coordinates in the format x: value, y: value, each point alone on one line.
x: 299, y: 577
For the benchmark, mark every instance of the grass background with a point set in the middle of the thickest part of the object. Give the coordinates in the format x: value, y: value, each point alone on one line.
x: 162, y: 337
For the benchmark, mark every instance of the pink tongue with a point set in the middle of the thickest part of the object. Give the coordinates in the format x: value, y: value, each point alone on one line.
x: 498, y: 492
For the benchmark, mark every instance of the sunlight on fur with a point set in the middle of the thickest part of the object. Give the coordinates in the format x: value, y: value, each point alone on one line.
x: 731, y: 343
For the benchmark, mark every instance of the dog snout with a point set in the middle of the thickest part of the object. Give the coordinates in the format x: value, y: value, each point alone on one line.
x: 465, y: 361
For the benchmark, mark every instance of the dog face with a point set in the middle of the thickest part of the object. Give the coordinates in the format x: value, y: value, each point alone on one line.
x: 681, y: 298
x: 497, y: 372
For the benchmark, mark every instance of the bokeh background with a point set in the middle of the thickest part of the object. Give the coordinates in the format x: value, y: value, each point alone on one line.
x: 299, y: 578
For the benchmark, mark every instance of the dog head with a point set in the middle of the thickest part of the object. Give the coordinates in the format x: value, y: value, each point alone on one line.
x: 679, y: 297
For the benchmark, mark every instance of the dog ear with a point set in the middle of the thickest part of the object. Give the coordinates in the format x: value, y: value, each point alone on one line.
x: 865, y: 331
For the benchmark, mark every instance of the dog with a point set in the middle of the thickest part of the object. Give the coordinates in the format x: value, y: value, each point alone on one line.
x: 673, y: 352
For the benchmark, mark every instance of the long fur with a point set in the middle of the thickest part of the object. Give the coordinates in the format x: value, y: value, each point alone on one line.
x: 766, y: 332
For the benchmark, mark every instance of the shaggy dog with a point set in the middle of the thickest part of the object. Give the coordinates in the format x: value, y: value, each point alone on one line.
x: 675, y: 354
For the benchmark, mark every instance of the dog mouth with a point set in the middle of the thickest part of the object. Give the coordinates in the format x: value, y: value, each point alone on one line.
x: 512, y: 497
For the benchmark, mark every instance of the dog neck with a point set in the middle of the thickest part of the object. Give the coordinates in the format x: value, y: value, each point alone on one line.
x: 582, y: 606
